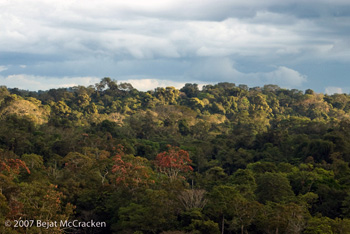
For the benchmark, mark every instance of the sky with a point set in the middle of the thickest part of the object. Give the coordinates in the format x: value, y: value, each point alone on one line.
x: 302, y: 44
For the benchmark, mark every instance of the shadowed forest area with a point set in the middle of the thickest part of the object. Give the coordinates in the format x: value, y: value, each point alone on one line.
x: 223, y: 159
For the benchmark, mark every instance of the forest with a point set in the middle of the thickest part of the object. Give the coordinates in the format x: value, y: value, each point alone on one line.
x: 220, y: 159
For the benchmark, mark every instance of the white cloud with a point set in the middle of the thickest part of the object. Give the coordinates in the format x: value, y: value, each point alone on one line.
x: 34, y: 83
x: 151, y: 84
x: 284, y: 77
x: 3, y: 68
x: 223, y: 69
x: 333, y: 90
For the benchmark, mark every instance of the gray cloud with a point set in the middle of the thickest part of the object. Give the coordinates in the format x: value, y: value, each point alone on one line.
x: 172, y: 39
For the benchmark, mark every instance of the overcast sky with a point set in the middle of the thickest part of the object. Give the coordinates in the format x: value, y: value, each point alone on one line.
x: 62, y: 43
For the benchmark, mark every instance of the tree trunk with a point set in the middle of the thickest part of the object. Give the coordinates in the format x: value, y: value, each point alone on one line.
x: 223, y: 224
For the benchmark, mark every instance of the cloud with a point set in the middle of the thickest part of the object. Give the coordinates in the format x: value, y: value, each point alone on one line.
x: 150, y: 29
x: 203, y: 72
x: 151, y: 84
x: 173, y: 40
x: 283, y: 76
x: 34, y: 83
x: 3, y: 68
x: 333, y: 90
x: 224, y: 69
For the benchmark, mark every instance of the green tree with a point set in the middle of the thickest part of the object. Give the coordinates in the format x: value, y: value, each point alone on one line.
x: 273, y: 187
x: 221, y: 200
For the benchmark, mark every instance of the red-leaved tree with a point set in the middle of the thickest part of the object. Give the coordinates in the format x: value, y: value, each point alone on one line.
x: 12, y: 166
x: 9, y: 170
x: 131, y: 171
x: 173, y: 161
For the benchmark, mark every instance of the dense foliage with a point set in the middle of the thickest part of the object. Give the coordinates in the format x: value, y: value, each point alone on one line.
x: 223, y: 159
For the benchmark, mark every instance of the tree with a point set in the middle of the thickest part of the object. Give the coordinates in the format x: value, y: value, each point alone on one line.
x: 184, y: 129
x: 130, y: 171
x: 244, y: 213
x: 282, y: 218
x: 319, y: 226
x: 169, y: 95
x: 173, y: 161
x: 11, y: 167
x: 273, y: 187
x: 201, y: 226
x: 244, y: 180
x: 44, y: 202
x: 192, y: 199
x: 154, y: 213
x: 221, y: 200
x: 191, y: 90
x: 10, y: 170
x: 77, y: 163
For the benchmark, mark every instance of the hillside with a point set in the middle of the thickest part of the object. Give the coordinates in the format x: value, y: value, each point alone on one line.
x: 224, y: 159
